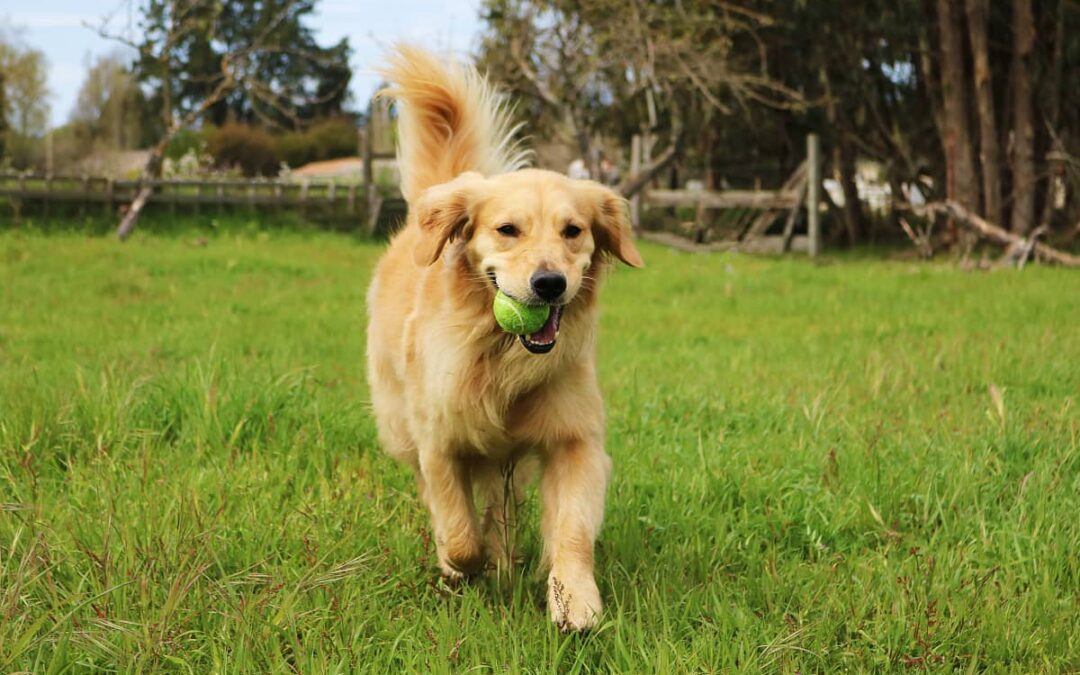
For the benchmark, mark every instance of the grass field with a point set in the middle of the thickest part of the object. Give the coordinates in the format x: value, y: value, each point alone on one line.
x: 859, y: 466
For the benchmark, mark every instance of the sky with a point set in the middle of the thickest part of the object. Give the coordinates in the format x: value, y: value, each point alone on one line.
x: 58, y: 28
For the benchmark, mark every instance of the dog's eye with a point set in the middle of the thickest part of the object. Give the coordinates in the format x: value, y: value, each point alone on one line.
x: 507, y: 230
x: 571, y: 231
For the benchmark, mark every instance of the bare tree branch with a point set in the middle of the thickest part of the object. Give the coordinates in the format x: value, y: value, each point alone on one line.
x: 631, y: 185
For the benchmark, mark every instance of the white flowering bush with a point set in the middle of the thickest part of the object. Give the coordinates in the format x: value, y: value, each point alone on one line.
x: 192, y: 164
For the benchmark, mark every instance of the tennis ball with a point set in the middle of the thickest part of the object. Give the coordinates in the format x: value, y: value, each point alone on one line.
x: 517, y: 317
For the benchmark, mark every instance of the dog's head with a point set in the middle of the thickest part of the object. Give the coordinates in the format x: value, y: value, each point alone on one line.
x: 536, y: 235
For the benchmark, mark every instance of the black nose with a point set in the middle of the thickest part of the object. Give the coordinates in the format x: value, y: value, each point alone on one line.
x: 548, y: 285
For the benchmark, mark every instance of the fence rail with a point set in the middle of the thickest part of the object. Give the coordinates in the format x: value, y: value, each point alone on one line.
x: 758, y: 210
x: 362, y: 205
x: 726, y: 199
x: 320, y: 199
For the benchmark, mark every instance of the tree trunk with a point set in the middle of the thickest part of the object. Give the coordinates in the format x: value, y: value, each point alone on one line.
x: 843, y: 165
x: 960, y: 176
x: 151, y: 171
x: 152, y: 168
x: 978, y: 16
x: 166, y: 90
x: 1053, y: 108
x: 584, y: 142
x: 1023, y: 161
x: 845, y: 159
x: 929, y: 81
x: 633, y: 184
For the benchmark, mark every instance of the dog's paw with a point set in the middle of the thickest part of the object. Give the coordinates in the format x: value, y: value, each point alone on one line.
x: 461, y: 559
x: 451, y: 576
x: 574, y: 604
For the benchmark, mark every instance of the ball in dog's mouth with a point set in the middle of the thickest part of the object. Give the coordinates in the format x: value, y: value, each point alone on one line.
x: 543, y: 340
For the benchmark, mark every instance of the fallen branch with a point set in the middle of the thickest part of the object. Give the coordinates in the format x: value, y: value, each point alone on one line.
x: 1022, y: 252
x: 1000, y: 235
x: 687, y: 245
x: 921, y: 239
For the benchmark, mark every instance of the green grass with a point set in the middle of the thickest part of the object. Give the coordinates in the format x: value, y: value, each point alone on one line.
x: 811, y: 471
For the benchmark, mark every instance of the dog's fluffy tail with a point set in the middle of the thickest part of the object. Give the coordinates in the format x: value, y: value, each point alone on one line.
x: 450, y: 120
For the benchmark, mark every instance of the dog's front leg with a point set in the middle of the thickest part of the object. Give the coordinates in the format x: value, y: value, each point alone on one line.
x: 453, y: 514
x: 573, y: 486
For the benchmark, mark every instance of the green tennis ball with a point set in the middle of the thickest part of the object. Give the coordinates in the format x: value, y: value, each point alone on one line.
x: 517, y: 317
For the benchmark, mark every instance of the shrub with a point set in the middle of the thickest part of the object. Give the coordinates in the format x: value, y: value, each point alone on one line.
x: 191, y: 164
x: 189, y: 140
x: 249, y: 148
x: 326, y: 139
x: 334, y: 138
x: 294, y: 148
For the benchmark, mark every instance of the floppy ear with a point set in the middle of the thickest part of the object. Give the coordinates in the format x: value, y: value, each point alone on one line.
x: 612, y: 229
x: 444, y: 214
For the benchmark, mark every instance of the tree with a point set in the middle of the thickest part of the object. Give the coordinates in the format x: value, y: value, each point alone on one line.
x: 1023, y: 139
x: 547, y: 65
x: 978, y: 19
x: 108, y: 109
x: 855, y: 63
x: 932, y: 70
x: 176, y: 41
x: 960, y: 172
x: 660, y: 68
x: 959, y: 89
x: 1052, y: 90
x: 290, y: 80
x: 3, y: 116
x: 24, y: 106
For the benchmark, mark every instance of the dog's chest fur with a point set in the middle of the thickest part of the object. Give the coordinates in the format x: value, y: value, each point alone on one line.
x: 478, y: 388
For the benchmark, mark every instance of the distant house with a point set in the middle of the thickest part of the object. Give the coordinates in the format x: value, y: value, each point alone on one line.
x: 345, y: 167
x: 349, y: 169
x: 113, y: 163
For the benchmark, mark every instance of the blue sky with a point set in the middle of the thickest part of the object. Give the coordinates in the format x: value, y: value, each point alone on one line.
x: 56, y: 27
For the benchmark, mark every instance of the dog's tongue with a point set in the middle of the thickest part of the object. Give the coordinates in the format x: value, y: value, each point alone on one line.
x: 547, y: 332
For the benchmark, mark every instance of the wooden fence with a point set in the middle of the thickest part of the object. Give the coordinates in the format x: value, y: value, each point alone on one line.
x: 361, y: 205
x: 316, y: 199
x: 761, y: 209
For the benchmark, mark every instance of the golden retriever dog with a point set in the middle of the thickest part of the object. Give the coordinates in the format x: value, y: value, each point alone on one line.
x: 455, y: 397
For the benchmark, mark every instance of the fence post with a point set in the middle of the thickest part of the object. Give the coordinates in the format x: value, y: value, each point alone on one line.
x: 85, y: 189
x: 369, y: 179
x: 635, y: 167
x: 813, y: 194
